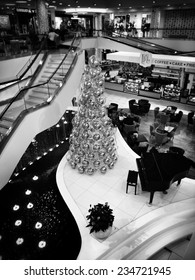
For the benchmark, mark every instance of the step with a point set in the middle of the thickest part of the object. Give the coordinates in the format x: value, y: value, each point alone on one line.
x: 33, y: 102
x: 37, y: 95
x: 44, y: 90
x: 5, y: 124
x: 55, y: 77
x: 3, y: 130
x: 9, y: 119
x: 53, y: 82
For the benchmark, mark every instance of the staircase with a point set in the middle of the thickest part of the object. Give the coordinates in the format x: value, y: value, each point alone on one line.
x: 39, y: 94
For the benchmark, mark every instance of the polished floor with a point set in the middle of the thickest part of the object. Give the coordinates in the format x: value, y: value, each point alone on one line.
x: 88, y: 190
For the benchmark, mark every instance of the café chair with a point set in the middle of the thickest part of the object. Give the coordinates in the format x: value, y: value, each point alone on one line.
x: 114, y: 106
x: 164, y: 118
x: 74, y: 102
x: 156, y: 112
x: 132, y: 180
x: 177, y: 117
x: 160, y: 138
x: 191, y: 118
x: 129, y: 128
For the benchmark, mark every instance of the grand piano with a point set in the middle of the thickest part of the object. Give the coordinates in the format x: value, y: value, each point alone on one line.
x: 157, y: 171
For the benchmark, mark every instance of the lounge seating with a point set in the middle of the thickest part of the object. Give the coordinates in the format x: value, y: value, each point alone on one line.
x: 177, y: 117
x: 191, y: 119
x: 144, y: 106
x: 156, y: 113
x: 164, y: 118
x: 140, y: 108
x: 160, y: 138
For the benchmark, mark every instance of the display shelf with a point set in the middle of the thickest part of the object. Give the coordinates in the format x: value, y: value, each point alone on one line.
x: 171, y: 93
x: 132, y: 87
x: 166, y: 73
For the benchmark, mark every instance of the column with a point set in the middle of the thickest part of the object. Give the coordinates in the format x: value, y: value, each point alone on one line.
x: 52, y: 12
x: 42, y: 17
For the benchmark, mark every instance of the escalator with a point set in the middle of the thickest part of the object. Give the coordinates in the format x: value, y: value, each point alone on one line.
x: 143, y: 45
x: 36, y: 107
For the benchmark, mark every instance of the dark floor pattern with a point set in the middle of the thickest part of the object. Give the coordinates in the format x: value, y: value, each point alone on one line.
x: 35, y: 222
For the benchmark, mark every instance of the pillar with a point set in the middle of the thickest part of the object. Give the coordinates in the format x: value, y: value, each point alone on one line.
x: 52, y: 12
x: 42, y: 17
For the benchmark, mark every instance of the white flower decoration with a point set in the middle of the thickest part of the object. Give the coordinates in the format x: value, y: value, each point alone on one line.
x: 38, y: 225
x: 16, y: 207
x: 18, y: 223
x: 19, y: 241
x: 42, y: 244
x: 28, y: 192
x: 30, y: 205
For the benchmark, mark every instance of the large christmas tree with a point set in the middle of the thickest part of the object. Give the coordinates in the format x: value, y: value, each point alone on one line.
x: 92, y: 142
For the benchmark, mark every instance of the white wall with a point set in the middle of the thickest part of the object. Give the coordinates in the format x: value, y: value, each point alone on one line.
x: 11, y: 67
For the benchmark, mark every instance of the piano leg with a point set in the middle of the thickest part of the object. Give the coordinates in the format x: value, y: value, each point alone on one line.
x: 151, y: 197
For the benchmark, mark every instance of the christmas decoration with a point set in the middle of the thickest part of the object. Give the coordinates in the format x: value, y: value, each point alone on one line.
x: 92, y: 142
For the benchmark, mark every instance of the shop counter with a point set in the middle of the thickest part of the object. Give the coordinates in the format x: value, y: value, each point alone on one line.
x: 114, y: 86
x: 147, y: 93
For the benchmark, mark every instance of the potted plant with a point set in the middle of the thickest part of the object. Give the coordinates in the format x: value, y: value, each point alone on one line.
x: 100, y: 220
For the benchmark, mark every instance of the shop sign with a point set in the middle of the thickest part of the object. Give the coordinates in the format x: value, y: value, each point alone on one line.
x: 184, y: 64
x: 145, y: 59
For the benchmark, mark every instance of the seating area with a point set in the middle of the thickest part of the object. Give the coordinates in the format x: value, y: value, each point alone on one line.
x: 161, y: 131
x: 141, y: 107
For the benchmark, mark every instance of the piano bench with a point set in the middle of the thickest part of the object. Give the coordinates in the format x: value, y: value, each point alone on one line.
x: 132, y: 180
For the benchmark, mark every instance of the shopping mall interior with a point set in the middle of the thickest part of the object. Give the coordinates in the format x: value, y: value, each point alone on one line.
x: 97, y: 106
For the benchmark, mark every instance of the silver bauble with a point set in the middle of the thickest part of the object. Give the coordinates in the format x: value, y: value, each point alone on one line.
x: 96, y: 136
x: 96, y: 147
x: 103, y: 169
x: 101, y: 154
x: 96, y: 163
x: 85, y: 163
x: 90, y: 171
x: 91, y: 156
x: 81, y: 169
x: 111, y: 165
x: 73, y: 164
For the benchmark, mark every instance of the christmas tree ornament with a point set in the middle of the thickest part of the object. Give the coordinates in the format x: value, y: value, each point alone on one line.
x: 92, y: 142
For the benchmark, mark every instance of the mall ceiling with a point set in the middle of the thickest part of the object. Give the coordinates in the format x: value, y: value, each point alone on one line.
x: 118, y: 6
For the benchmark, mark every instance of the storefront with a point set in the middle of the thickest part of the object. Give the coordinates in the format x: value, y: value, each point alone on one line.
x: 157, y: 76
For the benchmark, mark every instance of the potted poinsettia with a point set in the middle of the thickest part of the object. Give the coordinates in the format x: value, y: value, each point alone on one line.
x: 100, y: 220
